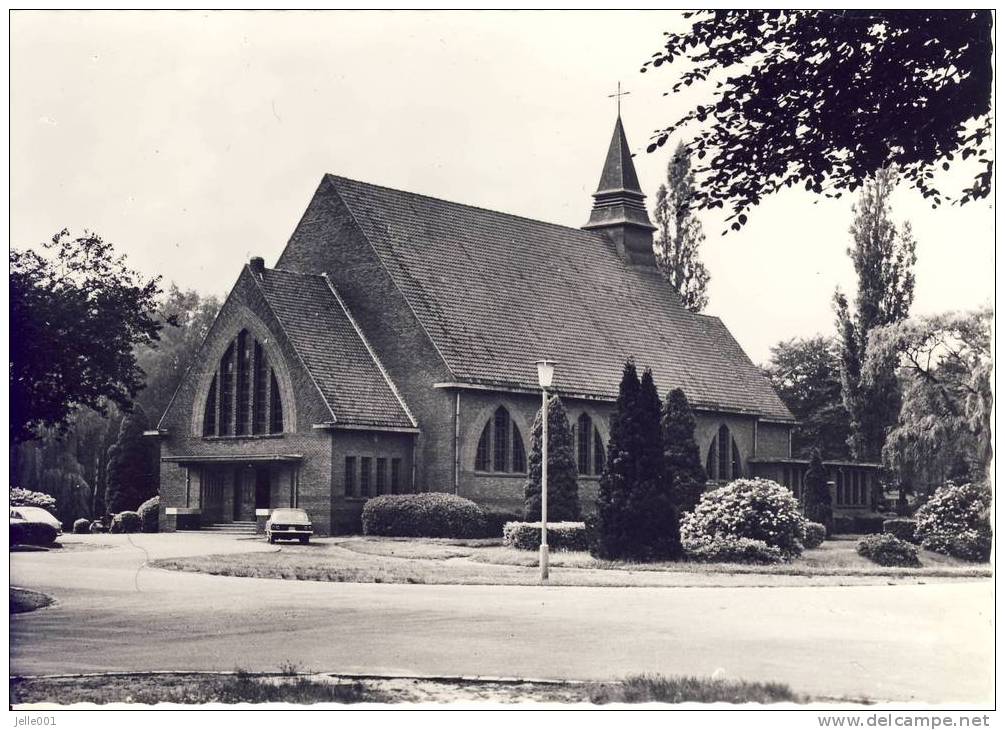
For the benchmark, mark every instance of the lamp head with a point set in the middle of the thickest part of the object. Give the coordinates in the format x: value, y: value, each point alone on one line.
x: 545, y: 372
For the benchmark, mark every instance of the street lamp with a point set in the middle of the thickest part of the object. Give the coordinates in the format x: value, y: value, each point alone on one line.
x: 545, y: 373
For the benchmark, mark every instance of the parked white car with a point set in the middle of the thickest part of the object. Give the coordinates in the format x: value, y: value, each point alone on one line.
x: 289, y: 524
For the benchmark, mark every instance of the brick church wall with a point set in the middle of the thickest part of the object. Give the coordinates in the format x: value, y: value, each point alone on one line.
x: 328, y: 240
x: 773, y: 440
x: 245, y: 307
x: 346, y: 508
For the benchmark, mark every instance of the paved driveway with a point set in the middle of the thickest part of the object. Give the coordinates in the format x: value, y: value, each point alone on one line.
x: 927, y: 643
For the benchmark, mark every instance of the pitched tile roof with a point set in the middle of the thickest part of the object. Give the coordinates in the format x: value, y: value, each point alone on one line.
x: 496, y: 292
x: 346, y: 371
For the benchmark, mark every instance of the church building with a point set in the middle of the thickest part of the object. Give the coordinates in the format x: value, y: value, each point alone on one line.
x: 392, y: 348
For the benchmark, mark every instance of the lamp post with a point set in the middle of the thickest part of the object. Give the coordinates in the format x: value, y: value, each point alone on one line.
x: 545, y: 373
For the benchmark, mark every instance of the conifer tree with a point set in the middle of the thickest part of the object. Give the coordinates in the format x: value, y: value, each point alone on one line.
x: 563, y: 488
x: 685, y: 474
x: 636, y: 518
x: 816, y: 494
x: 132, y: 466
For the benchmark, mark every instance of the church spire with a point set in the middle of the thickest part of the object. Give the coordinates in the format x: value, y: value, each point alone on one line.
x: 618, y: 207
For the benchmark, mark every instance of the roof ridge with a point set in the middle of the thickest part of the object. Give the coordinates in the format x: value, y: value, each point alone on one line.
x: 467, y: 205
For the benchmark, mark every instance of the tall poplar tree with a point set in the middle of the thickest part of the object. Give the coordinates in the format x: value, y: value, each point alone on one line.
x: 884, y: 263
x: 679, y: 234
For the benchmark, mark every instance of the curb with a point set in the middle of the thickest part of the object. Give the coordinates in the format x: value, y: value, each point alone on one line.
x: 455, y: 678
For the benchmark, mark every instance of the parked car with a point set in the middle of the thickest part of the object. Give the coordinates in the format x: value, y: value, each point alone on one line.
x: 33, y: 526
x: 289, y: 524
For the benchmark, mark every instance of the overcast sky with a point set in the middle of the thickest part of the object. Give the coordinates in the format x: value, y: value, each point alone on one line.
x: 195, y: 140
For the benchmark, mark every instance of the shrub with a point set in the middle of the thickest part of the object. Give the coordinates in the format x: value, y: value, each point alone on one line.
x: 149, y: 512
x: 81, y: 526
x: 757, y: 509
x: 723, y: 549
x: 431, y: 514
x: 889, y: 551
x: 97, y: 526
x: 561, y: 535
x: 126, y: 522
x: 900, y: 528
x: 495, y: 520
x: 815, y: 534
x: 956, y: 521
x: 26, y: 498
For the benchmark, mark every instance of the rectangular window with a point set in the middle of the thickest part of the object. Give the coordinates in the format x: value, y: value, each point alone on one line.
x: 364, y: 475
x: 395, y: 476
x: 350, y: 477
x: 381, y: 475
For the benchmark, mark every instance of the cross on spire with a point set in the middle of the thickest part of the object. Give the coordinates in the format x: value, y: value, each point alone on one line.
x: 618, y: 97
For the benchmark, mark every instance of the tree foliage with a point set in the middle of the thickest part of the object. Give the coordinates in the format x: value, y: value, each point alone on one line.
x: 816, y: 497
x: 943, y: 430
x: 636, y: 517
x: 806, y: 374
x: 563, y: 488
x: 133, y: 469
x: 78, y: 313
x: 186, y: 317
x: 823, y: 99
x: 685, y: 474
x: 884, y: 264
x: 679, y: 234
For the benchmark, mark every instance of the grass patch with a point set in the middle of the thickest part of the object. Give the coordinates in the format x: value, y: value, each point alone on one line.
x: 242, y: 687
x: 377, y: 560
x: 675, y: 690
x: 24, y: 601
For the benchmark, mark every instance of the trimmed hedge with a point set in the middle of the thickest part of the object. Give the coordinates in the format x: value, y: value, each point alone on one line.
x: 149, y: 513
x: 724, y: 549
x: 125, y: 522
x: 815, y: 535
x: 561, y: 535
x: 430, y: 514
x: 81, y: 526
x: 495, y: 521
x: 901, y: 528
x: 889, y: 551
x: 858, y: 525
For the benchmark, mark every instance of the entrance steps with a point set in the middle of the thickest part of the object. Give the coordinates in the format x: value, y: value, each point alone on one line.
x: 243, y: 529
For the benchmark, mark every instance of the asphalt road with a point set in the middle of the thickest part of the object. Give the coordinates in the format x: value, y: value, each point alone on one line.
x: 923, y: 643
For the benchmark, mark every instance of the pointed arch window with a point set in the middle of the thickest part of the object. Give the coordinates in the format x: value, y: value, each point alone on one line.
x: 500, y: 447
x: 243, y: 398
x: 723, y: 462
x: 590, y: 456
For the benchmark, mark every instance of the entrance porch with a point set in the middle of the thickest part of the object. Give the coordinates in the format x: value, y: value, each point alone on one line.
x: 235, y: 492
